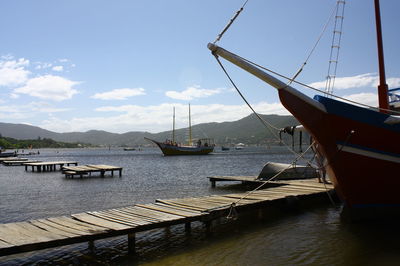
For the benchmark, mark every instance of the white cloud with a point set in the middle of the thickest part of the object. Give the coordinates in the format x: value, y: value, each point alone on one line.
x: 40, y: 65
x: 13, y: 72
x: 58, y: 68
x: 370, y: 99
x: 191, y: 93
x: 119, y: 94
x: 48, y: 87
x: 393, y: 82
x: 157, y: 118
x: 18, y: 112
x: 363, y: 80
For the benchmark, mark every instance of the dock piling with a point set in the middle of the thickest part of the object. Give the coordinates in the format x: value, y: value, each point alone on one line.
x: 131, y: 243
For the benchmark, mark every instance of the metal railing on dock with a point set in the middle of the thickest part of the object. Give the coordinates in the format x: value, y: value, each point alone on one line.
x: 89, y: 226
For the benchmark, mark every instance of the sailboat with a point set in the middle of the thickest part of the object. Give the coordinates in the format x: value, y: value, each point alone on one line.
x: 171, y: 147
x: 361, y: 145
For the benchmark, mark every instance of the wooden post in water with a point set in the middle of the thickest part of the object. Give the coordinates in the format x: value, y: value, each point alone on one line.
x: 188, y: 227
x: 131, y: 243
x: 91, y: 246
x: 207, y: 224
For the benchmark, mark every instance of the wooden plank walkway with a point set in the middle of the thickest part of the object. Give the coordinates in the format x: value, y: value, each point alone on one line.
x: 89, y: 226
x: 18, y: 162
x: 71, y: 171
x: 2, y: 159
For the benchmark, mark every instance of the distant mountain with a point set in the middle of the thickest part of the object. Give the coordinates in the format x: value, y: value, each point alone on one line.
x: 248, y: 130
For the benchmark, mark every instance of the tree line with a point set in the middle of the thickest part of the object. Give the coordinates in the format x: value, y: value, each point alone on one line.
x: 11, y: 143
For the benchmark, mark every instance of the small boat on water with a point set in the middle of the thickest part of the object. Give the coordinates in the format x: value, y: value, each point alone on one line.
x: 171, y: 147
x: 239, y: 146
x: 359, y: 145
x: 4, y: 153
x: 129, y: 149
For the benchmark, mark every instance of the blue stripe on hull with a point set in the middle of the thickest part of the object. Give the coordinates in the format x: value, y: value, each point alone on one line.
x: 356, y: 113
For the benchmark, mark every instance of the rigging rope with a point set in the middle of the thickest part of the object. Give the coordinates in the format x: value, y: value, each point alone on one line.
x: 315, y: 89
x: 230, y: 22
x: 244, y: 99
x: 315, y: 46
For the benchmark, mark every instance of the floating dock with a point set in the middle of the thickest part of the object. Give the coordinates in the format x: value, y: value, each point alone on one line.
x: 243, y: 179
x: 48, y: 166
x: 90, y: 226
x: 84, y: 170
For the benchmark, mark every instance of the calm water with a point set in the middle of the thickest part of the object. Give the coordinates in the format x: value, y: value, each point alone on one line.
x: 313, y: 236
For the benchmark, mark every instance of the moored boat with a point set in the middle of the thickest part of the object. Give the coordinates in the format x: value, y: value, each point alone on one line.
x: 360, y: 144
x: 171, y: 147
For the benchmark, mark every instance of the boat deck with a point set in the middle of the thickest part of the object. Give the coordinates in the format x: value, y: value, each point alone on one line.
x: 89, y: 226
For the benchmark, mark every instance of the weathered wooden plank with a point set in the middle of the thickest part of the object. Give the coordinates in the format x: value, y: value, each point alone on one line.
x: 12, y: 234
x: 276, y: 193
x: 183, y: 205
x: 89, y: 218
x: 303, y: 188
x: 239, y: 196
x: 39, y: 233
x: 292, y: 190
x: 52, y: 229
x: 104, y: 167
x: 194, y: 202
x: 212, y: 204
x: 168, y: 209
x: 153, y: 213
x: 116, y: 220
x: 132, y: 213
x: 310, y: 188
x: 126, y: 217
x: 81, y: 226
x: 4, y: 244
x: 63, y: 227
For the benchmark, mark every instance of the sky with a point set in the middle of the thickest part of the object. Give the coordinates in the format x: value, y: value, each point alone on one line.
x: 120, y: 66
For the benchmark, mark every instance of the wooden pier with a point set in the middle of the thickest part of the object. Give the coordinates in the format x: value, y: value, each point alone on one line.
x: 243, y: 179
x: 18, y: 162
x: 13, y: 161
x: 84, y: 170
x: 90, y: 226
x: 48, y: 166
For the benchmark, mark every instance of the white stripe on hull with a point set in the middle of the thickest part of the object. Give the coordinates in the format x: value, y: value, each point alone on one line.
x: 370, y: 154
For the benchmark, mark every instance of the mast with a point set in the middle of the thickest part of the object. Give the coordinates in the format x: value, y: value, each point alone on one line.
x: 173, y: 127
x: 382, y: 87
x: 190, y: 128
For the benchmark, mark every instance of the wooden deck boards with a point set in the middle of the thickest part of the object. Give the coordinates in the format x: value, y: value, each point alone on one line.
x: 81, y: 227
x: 71, y: 171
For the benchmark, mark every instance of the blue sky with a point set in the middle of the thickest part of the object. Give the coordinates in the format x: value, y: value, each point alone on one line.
x: 122, y: 65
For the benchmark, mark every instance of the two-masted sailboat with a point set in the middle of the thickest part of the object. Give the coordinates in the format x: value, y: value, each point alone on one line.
x: 361, y: 145
x: 171, y: 147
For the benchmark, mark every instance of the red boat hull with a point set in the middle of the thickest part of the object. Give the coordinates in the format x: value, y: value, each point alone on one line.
x: 363, y: 152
